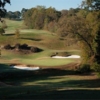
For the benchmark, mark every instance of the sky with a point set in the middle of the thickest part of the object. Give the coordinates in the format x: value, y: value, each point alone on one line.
x: 17, y: 5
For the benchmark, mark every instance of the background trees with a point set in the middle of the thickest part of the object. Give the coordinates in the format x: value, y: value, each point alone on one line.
x: 2, y: 5
x: 2, y: 13
x: 42, y: 18
x: 91, y: 4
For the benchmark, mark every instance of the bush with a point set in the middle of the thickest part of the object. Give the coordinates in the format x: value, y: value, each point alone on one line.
x: 2, y: 31
x: 24, y: 46
x: 8, y: 46
x: 17, y: 33
x: 85, y: 68
x: 96, y: 67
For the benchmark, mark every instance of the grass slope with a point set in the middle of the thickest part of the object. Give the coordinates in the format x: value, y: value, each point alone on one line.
x: 39, y: 38
x: 49, y: 82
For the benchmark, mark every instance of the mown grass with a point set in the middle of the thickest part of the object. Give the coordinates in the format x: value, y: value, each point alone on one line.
x: 42, y: 59
x: 12, y: 25
x: 39, y: 38
x: 48, y: 62
x: 49, y: 82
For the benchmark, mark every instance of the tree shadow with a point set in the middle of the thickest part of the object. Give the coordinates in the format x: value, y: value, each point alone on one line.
x: 3, y: 66
x: 58, y: 95
x: 11, y: 34
x: 42, y: 73
x: 31, y: 39
x: 49, y: 90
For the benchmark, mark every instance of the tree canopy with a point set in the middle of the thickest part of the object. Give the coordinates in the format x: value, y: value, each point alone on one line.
x: 91, y: 4
x: 2, y: 5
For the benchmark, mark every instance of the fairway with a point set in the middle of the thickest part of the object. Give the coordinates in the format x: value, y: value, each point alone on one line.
x: 56, y: 78
x: 39, y: 38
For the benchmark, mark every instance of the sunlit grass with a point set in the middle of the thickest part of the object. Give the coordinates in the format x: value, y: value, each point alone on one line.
x: 48, y: 61
x: 42, y: 59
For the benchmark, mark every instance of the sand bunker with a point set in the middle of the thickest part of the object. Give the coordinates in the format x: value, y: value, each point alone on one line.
x: 72, y: 56
x: 25, y: 68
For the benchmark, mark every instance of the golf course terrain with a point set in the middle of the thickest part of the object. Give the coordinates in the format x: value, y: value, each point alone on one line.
x: 56, y: 78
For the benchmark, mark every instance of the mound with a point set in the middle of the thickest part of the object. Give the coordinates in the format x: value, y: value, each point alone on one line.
x: 24, y: 48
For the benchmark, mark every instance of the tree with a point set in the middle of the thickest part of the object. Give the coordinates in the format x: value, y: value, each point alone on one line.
x: 23, y: 12
x: 9, y: 14
x: 2, y: 13
x: 79, y: 28
x: 2, y: 5
x: 17, y: 14
x: 93, y: 19
x: 91, y: 4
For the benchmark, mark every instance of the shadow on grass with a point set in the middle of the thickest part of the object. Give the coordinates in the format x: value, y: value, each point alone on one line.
x: 17, y: 77
x: 65, y: 95
x: 47, y: 90
x: 31, y: 39
x: 42, y: 73
x: 3, y: 66
x: 11, y: 34
x: 57, y: 95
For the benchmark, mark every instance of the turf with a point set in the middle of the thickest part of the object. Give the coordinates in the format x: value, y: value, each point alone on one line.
x: 39, y: 38
x: 47, y: 84
x: 50, y: 82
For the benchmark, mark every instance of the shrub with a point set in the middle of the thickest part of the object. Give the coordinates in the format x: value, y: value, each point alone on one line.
x: 17, y: 33
x: 84, y: 68
x: 24, y: 46
x: 96, y: 67
x: 2, y: 31
x: 8, y: 46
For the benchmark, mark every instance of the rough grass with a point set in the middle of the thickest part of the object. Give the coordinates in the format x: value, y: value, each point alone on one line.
x: 42, y: 59
x: 39, y: 38
x: 50, y: 82
x: 47, y: 84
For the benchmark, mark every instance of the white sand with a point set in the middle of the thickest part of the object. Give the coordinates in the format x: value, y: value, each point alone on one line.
x: 26, y: 68
x: 72, y: 56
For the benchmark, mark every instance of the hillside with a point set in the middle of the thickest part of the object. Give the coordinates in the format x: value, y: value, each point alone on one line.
x: 49, y: 42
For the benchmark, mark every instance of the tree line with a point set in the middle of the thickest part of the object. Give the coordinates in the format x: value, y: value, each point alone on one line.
x: 15, y: 15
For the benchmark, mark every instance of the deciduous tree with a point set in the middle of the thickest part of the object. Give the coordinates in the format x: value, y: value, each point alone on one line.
x: 2, y: 5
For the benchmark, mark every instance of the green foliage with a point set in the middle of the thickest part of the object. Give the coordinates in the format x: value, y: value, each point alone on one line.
x: 41, y: 18
x: 96, y: 67
x: 13, y: 15
x: 91, y: 4
x: 2, y: 5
